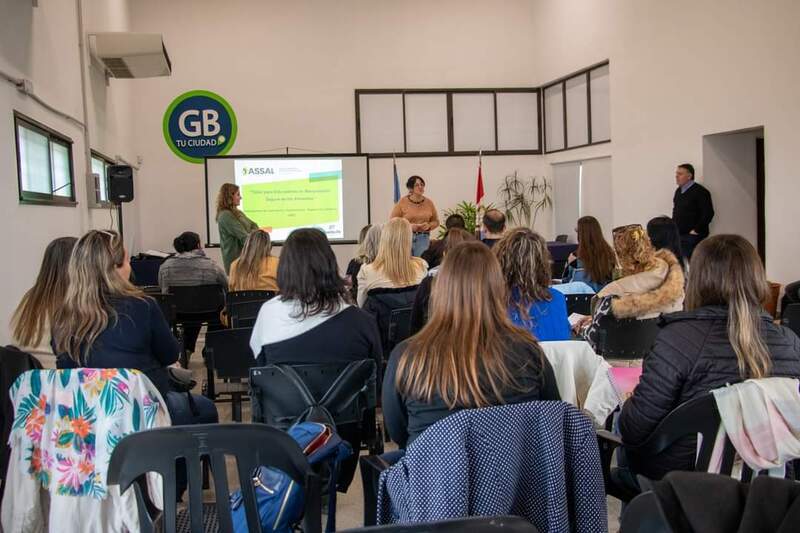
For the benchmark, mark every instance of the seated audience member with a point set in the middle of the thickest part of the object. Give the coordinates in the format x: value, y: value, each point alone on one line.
x: 33, y: 316
x: 664, y: 235
x: 368, y: 241
x: 468, y: 355
x: 419, y: 313
x: 312, y: 322
x: 394, y: 267
x: 256, y: 269
x: 190, y: 268
x: 494, y: 227
x: 651, y: 284
x: 723, y: 337
x: 105, y: 322
x: 433, y: 255
x: 532, y: 304
x: 594, y: 261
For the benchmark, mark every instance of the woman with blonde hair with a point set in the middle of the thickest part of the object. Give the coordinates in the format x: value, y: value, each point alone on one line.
x: 105, y: 322
x: 468, y: 355
x: 723, y: 337
x: 256, y: 268
x: 234, y: 226
x: 34, y: 314
x: 533, y: 304
x: 368, y: 241
x: 394, y: 267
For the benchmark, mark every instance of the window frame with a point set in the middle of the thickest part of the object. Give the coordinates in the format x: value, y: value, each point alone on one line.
x: 587, y: 74
x: 451, y: 151
x: 53, y: 136
x: 107, y: 161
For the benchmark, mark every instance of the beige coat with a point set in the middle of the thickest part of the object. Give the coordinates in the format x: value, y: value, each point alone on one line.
x: 371, y: 278
x: 650, y: 293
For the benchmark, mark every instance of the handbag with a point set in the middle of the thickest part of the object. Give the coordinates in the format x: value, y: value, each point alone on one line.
x: 181, y: 379
x: 279, y: 499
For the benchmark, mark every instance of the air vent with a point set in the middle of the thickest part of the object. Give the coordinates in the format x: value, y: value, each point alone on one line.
x: 131, y: 55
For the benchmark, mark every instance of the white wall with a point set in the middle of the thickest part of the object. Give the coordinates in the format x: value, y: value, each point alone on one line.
x: 289, y: 71
x: 41, y: 44
x: 681, y: 70
x: 729, y: 172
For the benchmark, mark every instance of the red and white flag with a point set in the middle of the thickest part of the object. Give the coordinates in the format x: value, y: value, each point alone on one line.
x: 479, y: 190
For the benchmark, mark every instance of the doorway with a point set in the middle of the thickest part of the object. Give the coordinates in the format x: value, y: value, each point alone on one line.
x: 733, y: 171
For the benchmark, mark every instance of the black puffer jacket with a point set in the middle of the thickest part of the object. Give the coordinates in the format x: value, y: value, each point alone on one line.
x: 692, y: 356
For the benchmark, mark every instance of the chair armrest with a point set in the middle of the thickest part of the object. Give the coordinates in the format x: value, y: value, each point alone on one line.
x: 371, y: 468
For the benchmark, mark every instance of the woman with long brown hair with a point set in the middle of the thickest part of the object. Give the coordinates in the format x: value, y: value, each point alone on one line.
x: 106, y: 322
x: 35, y: 311
x: 533, y: 304
x: 233, y: 224
x: 723, y: 337
x: 594, y: 260
x: 256, y: 268
x: 468, y: 355
x: 394, y: 267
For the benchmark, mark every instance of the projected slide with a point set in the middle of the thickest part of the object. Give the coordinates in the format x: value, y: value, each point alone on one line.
x: 285, y: 194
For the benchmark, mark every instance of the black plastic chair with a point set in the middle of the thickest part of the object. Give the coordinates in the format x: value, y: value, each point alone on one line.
x: 579, y: 303
x: 627, y: 338
x: 644, y: 514
x: 198, y: 300
x: 392, y: 310
x: 285, y: 394
x: 505, y: 524
x: 243, y: 306
x: 791, y: 318
x: 690, y: 419
x: 252, y: 445
x: 228, y: 356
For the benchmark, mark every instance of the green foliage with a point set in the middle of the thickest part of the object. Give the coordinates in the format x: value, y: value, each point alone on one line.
x: 523, y: 199
x: 469, y: 211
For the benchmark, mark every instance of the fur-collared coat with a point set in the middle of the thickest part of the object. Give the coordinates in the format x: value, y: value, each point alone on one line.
x: 650, y: 293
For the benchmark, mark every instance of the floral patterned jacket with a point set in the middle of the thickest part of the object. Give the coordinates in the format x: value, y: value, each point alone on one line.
x: 66, y: 425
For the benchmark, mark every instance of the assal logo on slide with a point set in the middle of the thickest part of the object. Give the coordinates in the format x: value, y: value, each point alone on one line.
x: 257, y: 171
x: 199, y: 124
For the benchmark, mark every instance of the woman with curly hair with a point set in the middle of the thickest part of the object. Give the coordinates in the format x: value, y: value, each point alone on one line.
x: 533, y: 304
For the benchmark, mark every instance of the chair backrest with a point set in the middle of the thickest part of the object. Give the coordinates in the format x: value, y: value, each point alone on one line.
x: 394, y: 326
x: 283, y: 394
x: 198, y: 299
x: 505, y: 524
x: 243, y: 306
x: 228, y: 352
x: 626, y: 338
x: 579, y: 303
x: 698, y: 416
x: 252, y: 445
x: 167, y: 304
x: 791, y: 318
x: 561, y: 238
x: 644, y: 514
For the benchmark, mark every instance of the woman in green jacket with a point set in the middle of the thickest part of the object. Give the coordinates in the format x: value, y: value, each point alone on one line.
x: 234, y: 226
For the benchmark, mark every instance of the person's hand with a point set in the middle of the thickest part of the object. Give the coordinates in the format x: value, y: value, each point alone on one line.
x: 416, y: 227
x: 582, y: 323
x: 693, y: 232
x: 572, y: 257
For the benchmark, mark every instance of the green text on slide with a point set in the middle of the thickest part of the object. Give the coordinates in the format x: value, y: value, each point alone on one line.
x: 295, y: 203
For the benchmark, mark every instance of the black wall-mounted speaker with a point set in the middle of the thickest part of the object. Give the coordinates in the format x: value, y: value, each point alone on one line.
x: 120, y: 184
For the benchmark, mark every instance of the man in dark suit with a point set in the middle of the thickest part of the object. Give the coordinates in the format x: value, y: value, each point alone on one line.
x: 692, y: 209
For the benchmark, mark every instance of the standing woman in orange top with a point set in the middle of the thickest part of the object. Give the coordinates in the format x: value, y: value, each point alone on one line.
x: 420, y: 212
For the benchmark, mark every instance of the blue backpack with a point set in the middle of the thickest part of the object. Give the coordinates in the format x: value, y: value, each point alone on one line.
x: 279, y: 498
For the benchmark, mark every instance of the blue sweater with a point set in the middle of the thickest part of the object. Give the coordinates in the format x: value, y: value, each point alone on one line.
x: 548, y: 320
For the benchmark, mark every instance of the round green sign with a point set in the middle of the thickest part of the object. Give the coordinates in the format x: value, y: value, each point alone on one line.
x: 199, y: 124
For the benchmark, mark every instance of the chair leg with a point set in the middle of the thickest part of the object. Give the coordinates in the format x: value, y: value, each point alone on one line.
x: 236, y: 406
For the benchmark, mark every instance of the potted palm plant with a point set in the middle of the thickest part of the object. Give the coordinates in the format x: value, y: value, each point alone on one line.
x: 522, y: 199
